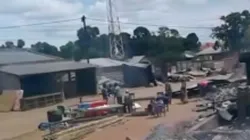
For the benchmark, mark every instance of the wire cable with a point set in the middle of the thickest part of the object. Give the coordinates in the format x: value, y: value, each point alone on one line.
x: 106, y: 22
x: 41, y: 23
x: 157, y: 25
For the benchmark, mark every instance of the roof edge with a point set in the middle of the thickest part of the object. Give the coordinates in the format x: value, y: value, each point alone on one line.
x: 31, y: 51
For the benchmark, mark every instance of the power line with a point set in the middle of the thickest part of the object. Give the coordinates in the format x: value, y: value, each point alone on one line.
x: 156, y: 25
x: 41, y: 23
x: 28, y: 39
x: 106, y: 22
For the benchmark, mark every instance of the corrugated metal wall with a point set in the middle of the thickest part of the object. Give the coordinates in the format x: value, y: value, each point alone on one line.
x: 40, y: 84
x: 86, y: 82
x: 8, y: 81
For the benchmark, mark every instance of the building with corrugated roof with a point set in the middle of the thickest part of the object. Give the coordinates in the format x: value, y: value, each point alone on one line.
x: 17, y: 56
x: 39, y: 75
x: 114, y: 69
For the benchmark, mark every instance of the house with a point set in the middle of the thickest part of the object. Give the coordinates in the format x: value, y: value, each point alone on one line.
x: 119, y: 70
x: 211, y: 54
x: 39, y: 75
x: 207, y: 57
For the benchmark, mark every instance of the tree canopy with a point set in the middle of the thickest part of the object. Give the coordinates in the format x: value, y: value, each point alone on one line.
x: 165, y: 45
x: 233, y: 31
x: 10, y: 44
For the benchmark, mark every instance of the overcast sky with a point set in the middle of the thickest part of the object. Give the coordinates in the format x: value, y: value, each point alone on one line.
x: 172, y: 13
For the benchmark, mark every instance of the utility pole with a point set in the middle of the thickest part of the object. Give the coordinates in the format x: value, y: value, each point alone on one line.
x: 86, y: 32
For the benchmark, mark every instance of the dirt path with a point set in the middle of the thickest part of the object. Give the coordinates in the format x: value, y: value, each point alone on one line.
x: 17, y: 123
x: 139, y: 127
x: 14, y: 124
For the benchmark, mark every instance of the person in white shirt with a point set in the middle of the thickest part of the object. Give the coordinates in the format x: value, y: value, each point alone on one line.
x: 118, y: 93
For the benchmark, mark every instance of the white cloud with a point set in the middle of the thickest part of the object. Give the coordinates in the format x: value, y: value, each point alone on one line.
x: 173, y: 13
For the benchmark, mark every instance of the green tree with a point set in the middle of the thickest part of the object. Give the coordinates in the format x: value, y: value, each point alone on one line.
x: 104, y: 45
x: 174, y: 33
x: 232, y: 30
x: 191, y: 42
x: 164, y: 31
x: 67, y: 50
x: 86, y: 37
x: 9, y: 44
x: 20, y: 43
x: 77, y: 54
x: 45, y: 48
x: 246, y: 39
x: 169, y: 47
x: 126, y: 38
x: 141, y: 32
x: 140, y: 42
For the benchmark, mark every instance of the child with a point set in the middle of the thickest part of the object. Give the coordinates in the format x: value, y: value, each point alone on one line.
x: 160, y: 107
x: 150, y: 108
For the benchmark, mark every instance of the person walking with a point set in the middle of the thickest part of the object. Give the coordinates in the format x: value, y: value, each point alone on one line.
x: 184, y: 96
x: 104, y: 92
x: 112, y: 91
x: 109, y: 89
x: 128, y: 103
x: 118, y: 93
x: 168, y: 92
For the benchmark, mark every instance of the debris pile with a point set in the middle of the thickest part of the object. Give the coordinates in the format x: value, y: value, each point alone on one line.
x: 163, y: 132
x: 223, y: 93
x: 220, y: 133
x: 159, y: 132
x: 223, y: 134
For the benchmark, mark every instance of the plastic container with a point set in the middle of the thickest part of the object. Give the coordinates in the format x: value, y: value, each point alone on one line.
x: 54, y: 115
x: 84, y: 105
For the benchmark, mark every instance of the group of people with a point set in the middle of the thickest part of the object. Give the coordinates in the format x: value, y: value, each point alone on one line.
x: 119, y: 96
x: 158, y: 105
x: 109, y: 90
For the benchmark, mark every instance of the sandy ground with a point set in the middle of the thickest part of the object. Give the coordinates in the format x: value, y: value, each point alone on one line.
x: 24, y: 123
x: 138, y: 128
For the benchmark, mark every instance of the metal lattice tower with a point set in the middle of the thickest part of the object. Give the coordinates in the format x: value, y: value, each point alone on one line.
x: 115, y: 40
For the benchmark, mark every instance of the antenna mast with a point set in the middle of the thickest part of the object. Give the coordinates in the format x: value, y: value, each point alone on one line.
x: 115, y: 40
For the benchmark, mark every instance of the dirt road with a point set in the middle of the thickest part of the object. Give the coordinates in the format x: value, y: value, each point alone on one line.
x: 138, y: 128
x: 18, y: 123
